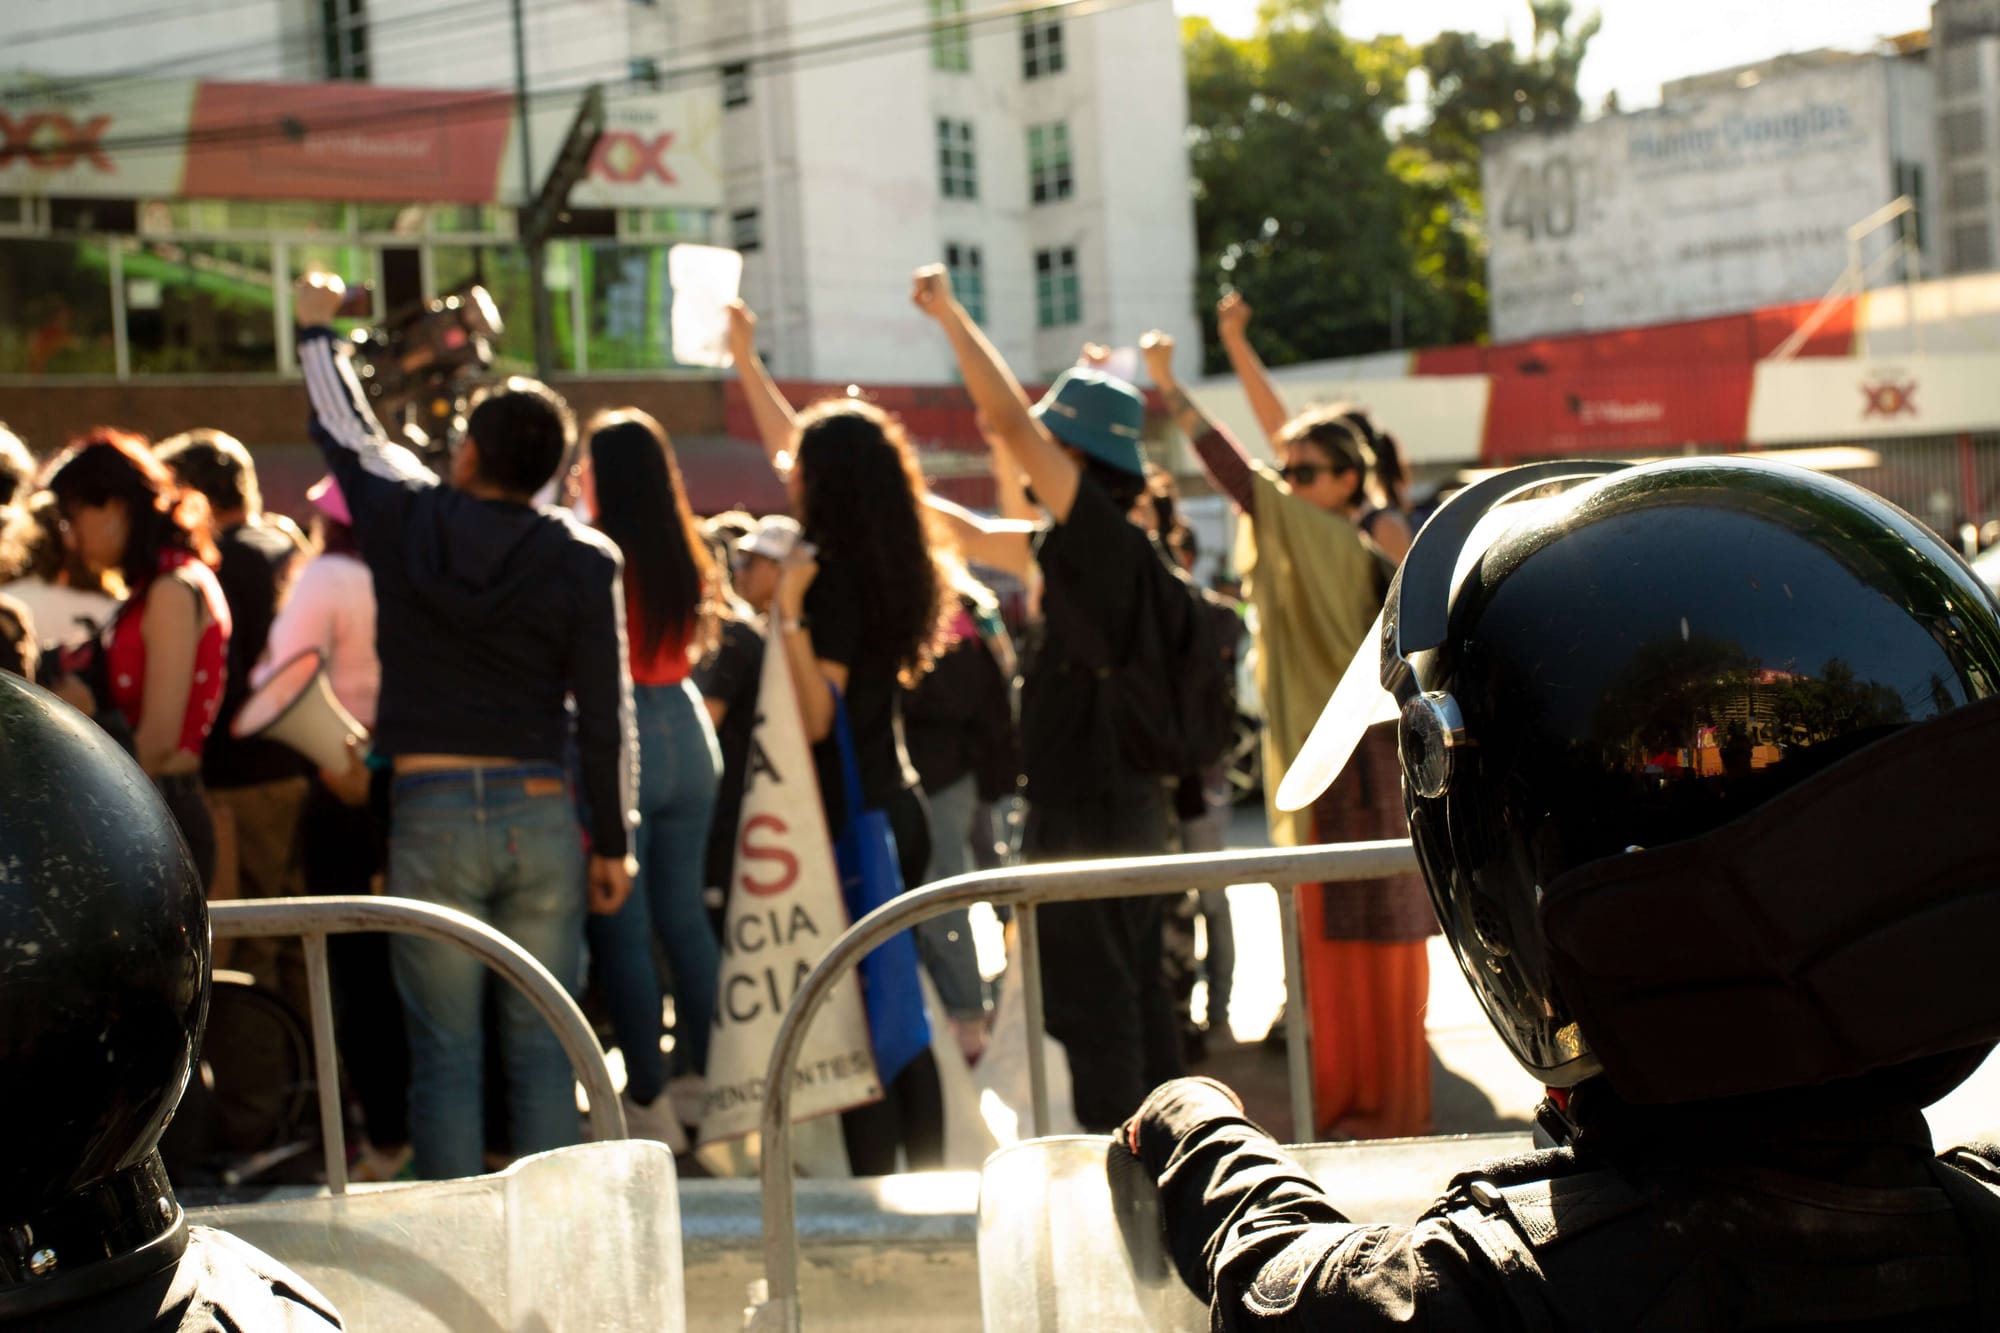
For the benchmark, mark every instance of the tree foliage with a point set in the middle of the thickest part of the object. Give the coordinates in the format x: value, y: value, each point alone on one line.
x: 1345, y: 236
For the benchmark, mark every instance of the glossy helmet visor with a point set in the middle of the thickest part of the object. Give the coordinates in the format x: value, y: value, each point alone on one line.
x: 1740, y: 852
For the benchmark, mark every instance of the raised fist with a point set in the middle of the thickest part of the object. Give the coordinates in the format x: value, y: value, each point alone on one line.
x: 1158, y: 349
x: 1232, y: 315
x: 930, y: 290
x: 316, y: 299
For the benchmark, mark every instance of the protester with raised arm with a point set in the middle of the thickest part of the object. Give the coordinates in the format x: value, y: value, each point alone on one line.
x: 1361, y: 483
x: 492, y: 614
x: 1316, y: 580
x: 1105, y: 996
x: 861, y: 609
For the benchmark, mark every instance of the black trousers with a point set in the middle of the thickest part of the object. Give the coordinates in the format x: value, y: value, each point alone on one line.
x: 1104, y: 990
x: 910, y: 1115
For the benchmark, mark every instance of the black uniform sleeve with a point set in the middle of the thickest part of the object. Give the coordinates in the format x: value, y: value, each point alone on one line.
x: 600, y: 680
x: 1254, y: 1235
x: 376, y: 475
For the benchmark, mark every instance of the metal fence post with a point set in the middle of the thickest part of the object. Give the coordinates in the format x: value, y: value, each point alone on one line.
x: 1298, y: 1016
x: 326, y: 1063
x: 1031, y: 994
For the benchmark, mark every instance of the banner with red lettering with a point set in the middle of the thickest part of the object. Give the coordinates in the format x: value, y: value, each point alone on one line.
x: 784, y: 913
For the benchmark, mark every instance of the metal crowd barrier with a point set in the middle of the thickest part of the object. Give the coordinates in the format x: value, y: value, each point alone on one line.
x: 313, y: 919
x: 776, y: 1304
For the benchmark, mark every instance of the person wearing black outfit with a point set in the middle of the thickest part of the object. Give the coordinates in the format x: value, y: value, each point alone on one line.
x: 1698, y: 766
x: 256, y: 788
x: 728, y: 678
x: 103, y: 999
x: 860, y: 609
x: 1102, y: 979
x: 491, y: 615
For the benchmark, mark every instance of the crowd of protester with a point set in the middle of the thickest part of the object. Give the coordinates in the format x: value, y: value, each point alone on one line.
x: 560, y: 701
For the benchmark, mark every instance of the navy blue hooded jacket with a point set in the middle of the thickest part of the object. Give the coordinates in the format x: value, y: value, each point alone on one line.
x: 490, y: 614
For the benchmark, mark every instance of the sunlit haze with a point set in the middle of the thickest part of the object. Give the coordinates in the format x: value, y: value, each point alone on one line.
x: 1643, y: 41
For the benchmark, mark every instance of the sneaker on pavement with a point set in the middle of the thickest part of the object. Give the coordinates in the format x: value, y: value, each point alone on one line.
x: 656, y: 1120
x: 690, y: 1096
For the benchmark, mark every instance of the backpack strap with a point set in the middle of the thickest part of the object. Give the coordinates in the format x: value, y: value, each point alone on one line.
x: 1970, y: 1178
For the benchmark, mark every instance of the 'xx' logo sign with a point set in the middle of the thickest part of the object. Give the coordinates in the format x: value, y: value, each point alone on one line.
x: 53, y: 141
x: 624, y: 157
x: 1890, y: 400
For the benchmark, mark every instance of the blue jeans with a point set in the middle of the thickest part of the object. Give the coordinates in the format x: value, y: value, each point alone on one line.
x: 501, y: 844
x: 945, y: 942
x: 680, y: 766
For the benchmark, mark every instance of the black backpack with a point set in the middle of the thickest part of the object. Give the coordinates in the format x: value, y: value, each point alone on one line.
x: 1172, y: 698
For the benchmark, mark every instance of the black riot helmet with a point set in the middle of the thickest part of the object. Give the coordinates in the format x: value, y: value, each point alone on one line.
x: 1699, y: 759
x: 104, y: 959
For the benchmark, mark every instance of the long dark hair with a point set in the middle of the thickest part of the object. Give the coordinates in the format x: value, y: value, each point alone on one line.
x: 107, y: 464
x: 862, y: 502
x: 669, y: 574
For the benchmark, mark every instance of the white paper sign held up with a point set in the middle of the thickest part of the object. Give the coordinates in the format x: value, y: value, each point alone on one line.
x: 705, y: 279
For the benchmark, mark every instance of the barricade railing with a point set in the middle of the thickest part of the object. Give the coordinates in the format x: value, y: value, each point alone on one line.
x: 775, y: 1306
x: 312, y: 920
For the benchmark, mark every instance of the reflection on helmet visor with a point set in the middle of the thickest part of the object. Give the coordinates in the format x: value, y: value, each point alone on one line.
x: 1377, y: 686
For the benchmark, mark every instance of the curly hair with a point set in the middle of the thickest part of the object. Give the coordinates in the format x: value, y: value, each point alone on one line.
x: 107, y: 464
x: 862, y: 502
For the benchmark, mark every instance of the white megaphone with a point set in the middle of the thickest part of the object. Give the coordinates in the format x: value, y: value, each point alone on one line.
x: 296, y: 706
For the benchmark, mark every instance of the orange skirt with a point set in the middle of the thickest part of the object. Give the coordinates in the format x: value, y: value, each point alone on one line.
x: 1371, y: 1062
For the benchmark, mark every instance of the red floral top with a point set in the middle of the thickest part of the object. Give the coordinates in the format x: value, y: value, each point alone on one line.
x: 126, y: 655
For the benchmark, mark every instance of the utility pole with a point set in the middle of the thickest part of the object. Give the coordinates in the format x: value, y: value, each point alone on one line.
x: 538, y: 296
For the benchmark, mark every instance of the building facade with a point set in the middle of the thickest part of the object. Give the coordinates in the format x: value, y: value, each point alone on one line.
x: 164, y: 174
x: 1965, y: 36
x: 1738, y: 191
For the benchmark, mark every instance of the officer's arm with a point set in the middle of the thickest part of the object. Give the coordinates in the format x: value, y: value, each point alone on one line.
x: 1260, y: 1243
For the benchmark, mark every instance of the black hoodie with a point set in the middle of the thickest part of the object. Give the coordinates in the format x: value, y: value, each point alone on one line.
x: 489, y: 613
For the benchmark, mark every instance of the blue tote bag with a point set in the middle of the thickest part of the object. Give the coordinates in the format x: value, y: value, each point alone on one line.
x: 865, y: 850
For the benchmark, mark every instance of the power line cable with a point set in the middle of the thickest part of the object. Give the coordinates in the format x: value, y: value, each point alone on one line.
x: 195, y: 10
x: 479, y: 103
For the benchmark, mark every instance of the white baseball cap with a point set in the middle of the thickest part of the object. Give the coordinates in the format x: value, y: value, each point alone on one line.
x: 773, y: 538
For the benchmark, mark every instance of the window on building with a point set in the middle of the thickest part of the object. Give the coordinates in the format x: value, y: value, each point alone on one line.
x: 1910, y: 181
x: 57, y: 299
x: 644, y: 71
x: 200, y: 307
x: 1048, y: 162
x: 1971, y: 248
x: 951, y: 44
x: 736, y: 84
x: 1964, y: 132
x: 1968, y: 188
x: 1959, y: 72
x: 1041, y: 45
x: 1058, y: 293
x: 746, y: 230
x: 968, y: 278
x: 958, y: 176
x: 344, y: 39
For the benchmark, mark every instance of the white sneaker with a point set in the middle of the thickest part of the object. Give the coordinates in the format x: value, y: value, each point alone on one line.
x: 656, y: 1121
x: 690, y: 1097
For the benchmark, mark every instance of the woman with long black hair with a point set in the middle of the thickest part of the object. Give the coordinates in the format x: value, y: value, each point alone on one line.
x: 860, y: 615
x: 631, y: 488
x: 159, y: 666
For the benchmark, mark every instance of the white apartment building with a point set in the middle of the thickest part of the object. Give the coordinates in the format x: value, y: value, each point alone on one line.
x: 1040, y: 154
x: 1965, y: 37
x: 838, y: 143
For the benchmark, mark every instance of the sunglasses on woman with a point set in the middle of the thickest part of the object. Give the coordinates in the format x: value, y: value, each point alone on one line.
x: 1304, y: 474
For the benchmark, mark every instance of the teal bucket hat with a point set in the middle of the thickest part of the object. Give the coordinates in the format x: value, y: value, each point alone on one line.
x: 1098, y: 413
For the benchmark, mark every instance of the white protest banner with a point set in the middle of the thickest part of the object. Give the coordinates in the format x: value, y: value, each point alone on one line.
x: 784, y: 913
x: 704, y: 279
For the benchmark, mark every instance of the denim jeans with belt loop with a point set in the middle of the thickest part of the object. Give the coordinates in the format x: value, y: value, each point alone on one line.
x: 500, y: 843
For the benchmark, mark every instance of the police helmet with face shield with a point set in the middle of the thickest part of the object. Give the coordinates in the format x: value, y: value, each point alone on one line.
x: 104, y: 982
x: 1699, y: 760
